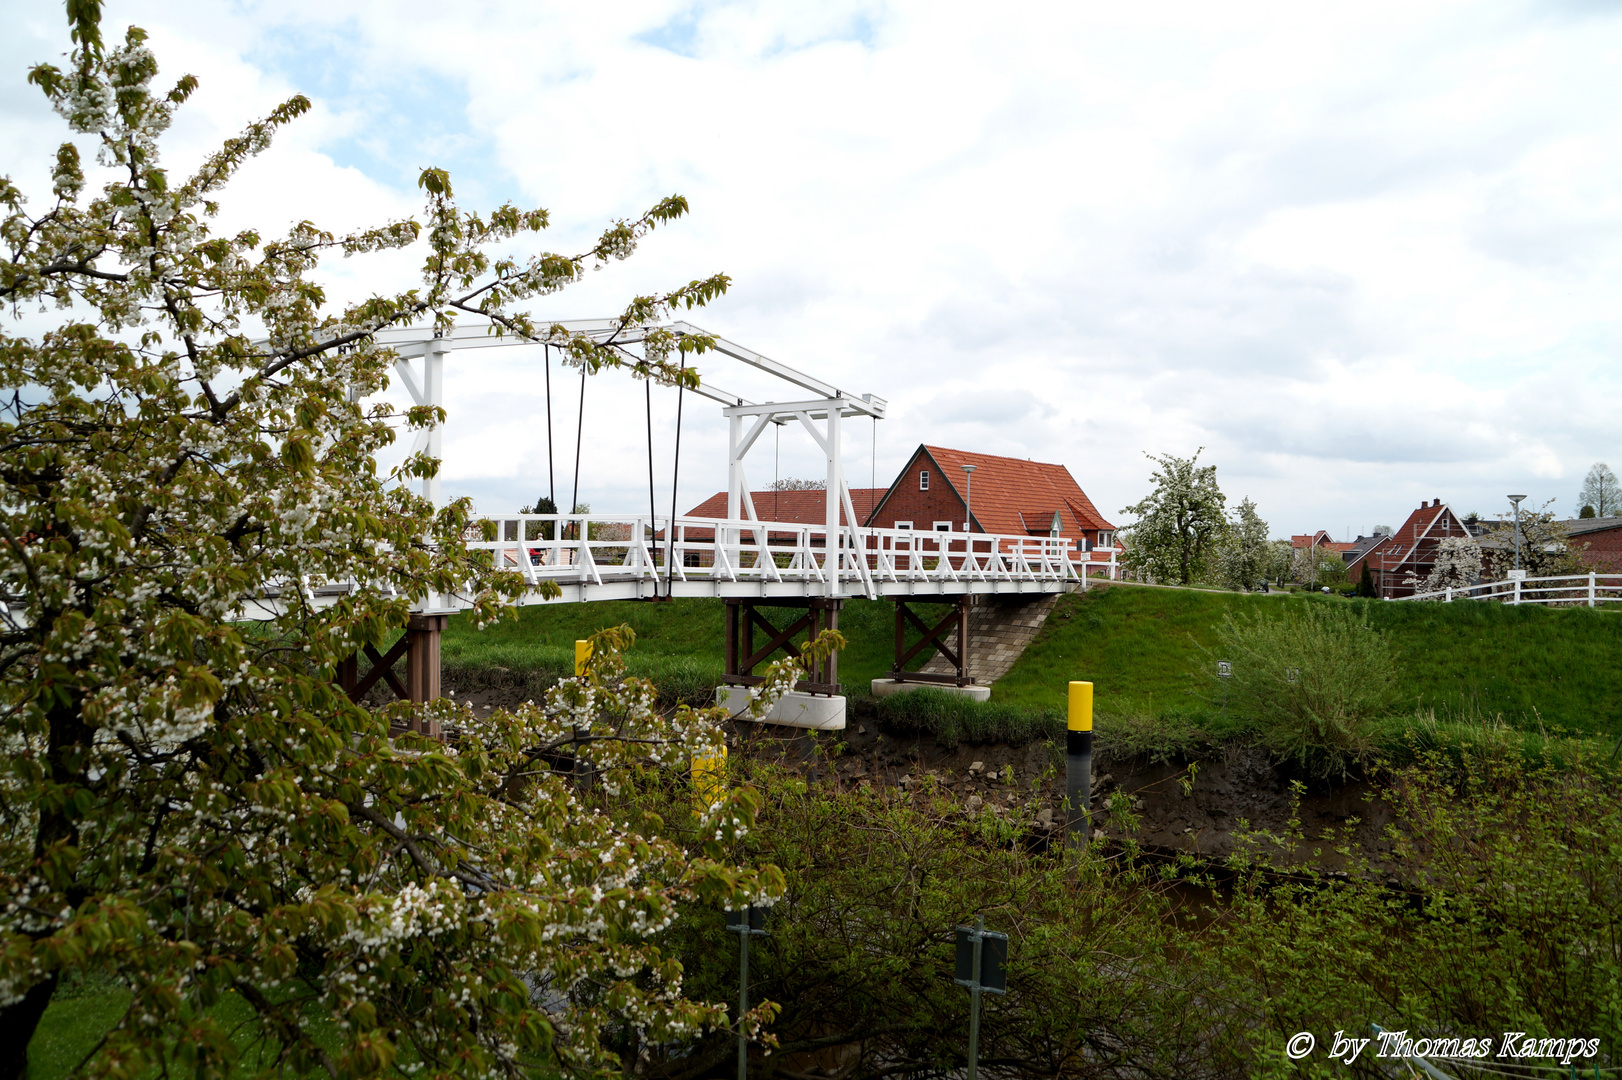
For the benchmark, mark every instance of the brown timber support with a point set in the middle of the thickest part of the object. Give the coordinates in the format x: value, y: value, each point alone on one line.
x: 420, y: 646
x: 742, y: 657
x: 932, y: 637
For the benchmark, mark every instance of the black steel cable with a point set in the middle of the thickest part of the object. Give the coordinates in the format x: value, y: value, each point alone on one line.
x: 647, y: 390
x: 675, y: 476
x: 551, y: 478
x: 579, y: 430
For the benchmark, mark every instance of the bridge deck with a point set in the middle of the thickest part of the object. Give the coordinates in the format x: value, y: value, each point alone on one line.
x: 594, y: 558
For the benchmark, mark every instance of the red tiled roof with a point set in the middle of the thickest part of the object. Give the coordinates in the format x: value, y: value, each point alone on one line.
x: 796, y: 507
x: 1006, y: 487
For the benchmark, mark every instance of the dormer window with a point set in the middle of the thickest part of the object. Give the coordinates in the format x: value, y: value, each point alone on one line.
x: 923, y: 480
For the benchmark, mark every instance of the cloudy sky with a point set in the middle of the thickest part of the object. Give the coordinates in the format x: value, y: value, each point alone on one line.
x: 1363, y: 255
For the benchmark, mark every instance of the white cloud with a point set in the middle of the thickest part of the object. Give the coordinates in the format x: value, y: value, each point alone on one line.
x: 1363, y: 254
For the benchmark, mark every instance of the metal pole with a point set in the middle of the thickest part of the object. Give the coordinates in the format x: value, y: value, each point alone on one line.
x: 1516, y: 499
x: 974, y: 997
x: 743, y: 998
x: 1079, y: 762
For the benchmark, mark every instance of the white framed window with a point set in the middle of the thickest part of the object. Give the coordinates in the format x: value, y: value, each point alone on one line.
x: 1106, y: 538
x: 903, y: 524
x: 943, y: 526
x: 923, y: 479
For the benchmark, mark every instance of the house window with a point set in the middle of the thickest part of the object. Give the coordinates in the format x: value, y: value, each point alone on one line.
x: 923, y: 480
x: 903, y: 524
x: 943, y: 526
x: 1106, y: 538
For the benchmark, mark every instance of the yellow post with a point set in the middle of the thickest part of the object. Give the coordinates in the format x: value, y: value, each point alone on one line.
x: 709, y: 777
x: 582, y: 653
x: 1079, y: 761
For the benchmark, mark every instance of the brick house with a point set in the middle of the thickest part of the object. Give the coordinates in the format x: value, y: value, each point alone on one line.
x: 804, y: 507
x: 1598, y: 541
x: 1319, y: 539
x: 1008, y: 495
x: 1409, y: 550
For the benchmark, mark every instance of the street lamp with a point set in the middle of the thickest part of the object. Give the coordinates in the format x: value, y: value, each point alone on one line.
x: 1516, y: 499
x: 968, y: 497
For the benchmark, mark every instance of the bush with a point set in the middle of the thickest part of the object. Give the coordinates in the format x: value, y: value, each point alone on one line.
x: 1313, y: 678
x: 952, y: 718
x: 1506, y: 920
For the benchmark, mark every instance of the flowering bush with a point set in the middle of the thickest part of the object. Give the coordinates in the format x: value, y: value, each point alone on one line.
x: 188, y: 805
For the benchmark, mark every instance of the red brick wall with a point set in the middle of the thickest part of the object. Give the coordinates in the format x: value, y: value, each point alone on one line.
x: 1604, y: 551
x: 922, y: 508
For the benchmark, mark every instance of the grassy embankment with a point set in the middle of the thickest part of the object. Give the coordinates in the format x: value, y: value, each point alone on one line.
x: 1464, y: 669
x: 1466, y: 672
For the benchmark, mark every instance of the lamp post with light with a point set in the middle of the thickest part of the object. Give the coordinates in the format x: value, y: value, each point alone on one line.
x: 1516, y: 499
x: 968, y: 497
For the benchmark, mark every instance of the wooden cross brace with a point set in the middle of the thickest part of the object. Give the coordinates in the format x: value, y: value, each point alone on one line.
x: 932, y: 636
x: 743, y: 618
x: 420, y: 647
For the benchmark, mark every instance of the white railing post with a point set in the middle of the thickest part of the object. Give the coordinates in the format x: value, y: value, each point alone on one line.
x: 1517, y: 595
x: 1591, y: 588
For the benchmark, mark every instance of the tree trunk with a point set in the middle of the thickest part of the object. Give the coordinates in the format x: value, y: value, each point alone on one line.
x: 17, y: 1023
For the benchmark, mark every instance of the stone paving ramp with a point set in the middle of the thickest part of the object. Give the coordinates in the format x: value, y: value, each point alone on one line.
x: 999, y: 629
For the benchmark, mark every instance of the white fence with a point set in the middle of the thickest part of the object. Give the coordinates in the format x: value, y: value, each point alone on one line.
x: 706, y: 556
x: 1574, y: 589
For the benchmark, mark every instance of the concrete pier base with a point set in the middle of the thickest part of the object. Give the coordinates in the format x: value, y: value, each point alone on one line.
x: 886, y: 687
x: 820, y: 712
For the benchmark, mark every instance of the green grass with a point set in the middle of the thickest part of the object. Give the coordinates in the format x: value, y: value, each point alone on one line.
x: 73, y: 1023
x: 680, y: 644
x: 953, y: 718
x: 1529, y: 668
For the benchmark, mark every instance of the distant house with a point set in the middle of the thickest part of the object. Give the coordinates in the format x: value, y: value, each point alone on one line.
x: 1006, y: 495
x: 1596, y: 542
x: 1599, y: 540
x: 1353, y: 552
x: 1411, y: 550
x: 1319, y: 539
x: 806, y: 506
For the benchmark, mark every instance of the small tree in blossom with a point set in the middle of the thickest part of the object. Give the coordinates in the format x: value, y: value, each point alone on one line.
x: 1246, y: 555
x: 1179, y: 525
x: 188, y: 805
x: 1457, y: 565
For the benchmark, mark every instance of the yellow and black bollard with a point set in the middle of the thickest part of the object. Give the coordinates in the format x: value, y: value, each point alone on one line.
x: 709, y: 780
x: 1079, y: 763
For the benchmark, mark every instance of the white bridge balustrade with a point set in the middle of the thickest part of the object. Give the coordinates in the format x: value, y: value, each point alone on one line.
x: 1581, y: 590
x: 611, y: 557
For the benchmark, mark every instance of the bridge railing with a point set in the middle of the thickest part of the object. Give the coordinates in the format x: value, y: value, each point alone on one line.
x: 1588, y: 590
x: 592, y: 548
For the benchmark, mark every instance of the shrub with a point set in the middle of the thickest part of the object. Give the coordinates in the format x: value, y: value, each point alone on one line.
x: 1312, y: 678
x: 952, y: 718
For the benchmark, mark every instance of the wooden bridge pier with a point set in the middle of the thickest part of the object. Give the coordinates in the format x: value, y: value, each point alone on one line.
x: 957, y: 657
x: 742, y: 657
x: 420, y: 646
